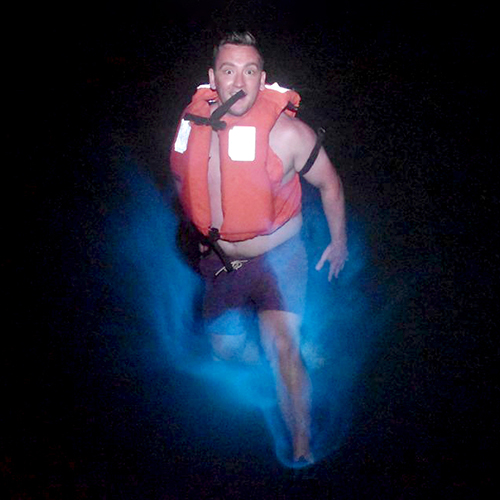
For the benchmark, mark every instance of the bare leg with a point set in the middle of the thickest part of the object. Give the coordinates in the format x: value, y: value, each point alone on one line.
x: 227, y: 347
x: 229, y: 339
x: 279, y: 336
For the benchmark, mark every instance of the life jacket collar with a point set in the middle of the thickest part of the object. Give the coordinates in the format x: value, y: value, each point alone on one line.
x: 214, y: 120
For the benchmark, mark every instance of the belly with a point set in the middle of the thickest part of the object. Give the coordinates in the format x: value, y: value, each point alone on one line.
x: 262, y: 244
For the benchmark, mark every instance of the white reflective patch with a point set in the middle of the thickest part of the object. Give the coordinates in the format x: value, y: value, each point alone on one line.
x: 181, y: 142
x: 242, y: 143
x: 277, y: 87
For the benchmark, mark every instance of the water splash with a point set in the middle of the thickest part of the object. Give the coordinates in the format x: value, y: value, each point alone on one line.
x: 149, y: 271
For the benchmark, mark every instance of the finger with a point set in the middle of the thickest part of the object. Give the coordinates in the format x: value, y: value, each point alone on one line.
x: 321, y: 262
x: 330, y: 274
x: 334, y: 271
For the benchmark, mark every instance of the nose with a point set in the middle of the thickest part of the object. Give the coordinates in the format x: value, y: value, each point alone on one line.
x: 239, y: 81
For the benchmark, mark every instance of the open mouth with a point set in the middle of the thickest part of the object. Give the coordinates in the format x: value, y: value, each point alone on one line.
x: 235, y: 98
x: 238, y: 95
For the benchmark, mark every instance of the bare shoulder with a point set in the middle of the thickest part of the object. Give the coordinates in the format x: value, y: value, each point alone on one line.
x: 293, y: 141
x: 294, y: 133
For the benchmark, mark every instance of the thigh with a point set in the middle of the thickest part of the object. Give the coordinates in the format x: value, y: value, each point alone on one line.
x: 225, y: 292
x: 287, y: 264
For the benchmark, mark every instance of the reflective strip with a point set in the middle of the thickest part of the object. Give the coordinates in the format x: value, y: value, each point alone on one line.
x: 277, y: 87
x: 182, y: 137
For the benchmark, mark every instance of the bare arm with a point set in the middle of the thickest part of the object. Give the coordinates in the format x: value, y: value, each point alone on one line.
x: 324, y: 176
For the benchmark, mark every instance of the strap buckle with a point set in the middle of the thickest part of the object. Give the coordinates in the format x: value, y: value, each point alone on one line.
x: 236, y: 264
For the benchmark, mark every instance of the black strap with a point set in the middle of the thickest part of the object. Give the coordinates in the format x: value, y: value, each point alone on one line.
x: 314, y: 153
x: 213, y: 237
x: 214, y: 120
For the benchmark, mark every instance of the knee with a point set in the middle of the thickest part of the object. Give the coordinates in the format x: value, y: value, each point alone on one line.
x: 280, y: 333
x: 225, y: 348
x: 282, y: 347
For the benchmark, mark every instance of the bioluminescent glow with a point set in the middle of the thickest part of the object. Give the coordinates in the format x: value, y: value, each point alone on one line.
x: 166, y: 292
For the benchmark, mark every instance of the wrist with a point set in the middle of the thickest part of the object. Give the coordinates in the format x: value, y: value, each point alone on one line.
x: 339, y: 240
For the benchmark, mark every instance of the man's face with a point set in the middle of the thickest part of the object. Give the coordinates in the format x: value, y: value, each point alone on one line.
x: 238, y: 67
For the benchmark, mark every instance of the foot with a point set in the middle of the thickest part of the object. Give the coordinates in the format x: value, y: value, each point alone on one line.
x: 304, y: 460
x: 302, y: 452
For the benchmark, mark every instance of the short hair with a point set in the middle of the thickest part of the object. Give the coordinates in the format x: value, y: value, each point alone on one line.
x: 237, y: 38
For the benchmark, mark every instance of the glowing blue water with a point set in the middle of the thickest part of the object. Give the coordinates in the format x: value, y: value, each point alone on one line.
x: 149, y: 272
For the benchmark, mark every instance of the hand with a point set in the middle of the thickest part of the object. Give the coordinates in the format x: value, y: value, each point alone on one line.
x: 336, y: 253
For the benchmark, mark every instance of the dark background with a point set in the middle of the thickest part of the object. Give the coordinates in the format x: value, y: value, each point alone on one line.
x: 405, y: 91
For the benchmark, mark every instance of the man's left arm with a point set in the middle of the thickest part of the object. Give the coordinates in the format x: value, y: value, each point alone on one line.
x: 324, y: 176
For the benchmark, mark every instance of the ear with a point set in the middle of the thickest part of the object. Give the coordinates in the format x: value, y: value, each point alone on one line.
x: 263, y: 80
x: 211, y: 78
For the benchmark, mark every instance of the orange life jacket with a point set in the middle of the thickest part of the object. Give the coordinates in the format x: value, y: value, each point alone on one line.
x: 253, y: 200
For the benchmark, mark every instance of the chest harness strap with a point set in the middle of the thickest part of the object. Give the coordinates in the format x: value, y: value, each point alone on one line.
x: 213, y: 237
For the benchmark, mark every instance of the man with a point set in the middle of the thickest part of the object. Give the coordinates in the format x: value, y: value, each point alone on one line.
x: 237, y: 158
